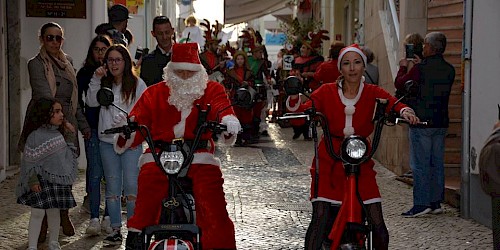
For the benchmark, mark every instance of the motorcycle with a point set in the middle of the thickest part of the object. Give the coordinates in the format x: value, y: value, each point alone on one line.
x: 352, y: 229
x: 177, y: 227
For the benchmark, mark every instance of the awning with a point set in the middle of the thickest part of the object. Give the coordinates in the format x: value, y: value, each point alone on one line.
x: 238, y: 11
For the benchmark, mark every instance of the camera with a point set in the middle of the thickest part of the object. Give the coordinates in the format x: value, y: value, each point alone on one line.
x: 141, y: 52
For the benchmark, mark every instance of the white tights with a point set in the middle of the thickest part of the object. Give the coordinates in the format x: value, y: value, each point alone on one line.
x: 53, y: 221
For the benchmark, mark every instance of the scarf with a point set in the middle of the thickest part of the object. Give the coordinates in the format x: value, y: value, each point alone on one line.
x: 47, y: 154
x: 62, y: 63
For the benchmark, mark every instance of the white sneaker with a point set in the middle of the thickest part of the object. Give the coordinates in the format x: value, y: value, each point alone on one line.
x: 54, y: 245
x: 106, y: 225
x: 94, y: 227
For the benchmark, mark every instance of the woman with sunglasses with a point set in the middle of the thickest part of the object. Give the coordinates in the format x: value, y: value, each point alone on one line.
x: 52, y: 75
x: 94, y: 171
x: 120, y: 169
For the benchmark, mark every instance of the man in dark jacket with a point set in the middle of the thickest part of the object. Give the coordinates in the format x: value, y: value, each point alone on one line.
x: 433, y: 78
x: 153, y: 63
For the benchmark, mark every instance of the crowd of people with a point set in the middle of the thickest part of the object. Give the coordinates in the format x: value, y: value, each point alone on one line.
x: 198, y: 71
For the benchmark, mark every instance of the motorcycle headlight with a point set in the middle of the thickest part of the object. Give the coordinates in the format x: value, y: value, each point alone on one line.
x: 354, y: 149
x: 172, y: 161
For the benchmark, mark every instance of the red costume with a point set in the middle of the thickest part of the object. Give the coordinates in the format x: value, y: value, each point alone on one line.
x: 158, y: 109
x: 327, y: 72
x: 347, y: 117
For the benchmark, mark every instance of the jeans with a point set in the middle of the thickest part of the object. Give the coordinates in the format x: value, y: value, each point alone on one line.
x: 121, y: 172
x: 427, y: 164
x: 94, y: 174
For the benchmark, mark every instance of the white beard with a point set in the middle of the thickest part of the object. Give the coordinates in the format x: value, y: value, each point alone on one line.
x: 183, y: 93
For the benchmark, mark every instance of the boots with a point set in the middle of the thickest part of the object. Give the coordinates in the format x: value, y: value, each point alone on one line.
x: 43, y: 230
x: 66, y: 224
x: 134, y: 241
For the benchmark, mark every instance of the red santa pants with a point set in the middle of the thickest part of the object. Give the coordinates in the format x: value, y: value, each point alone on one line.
x: 217, y: 229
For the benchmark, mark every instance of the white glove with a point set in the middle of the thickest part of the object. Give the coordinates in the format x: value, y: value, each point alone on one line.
x: 232, y: 124
x: 119, y: 120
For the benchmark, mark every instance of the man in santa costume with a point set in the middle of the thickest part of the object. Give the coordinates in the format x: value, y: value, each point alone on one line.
x: 169, y: 110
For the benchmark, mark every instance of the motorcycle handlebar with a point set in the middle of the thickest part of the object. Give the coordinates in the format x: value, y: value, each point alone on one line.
x: 404, y: 121
x: 115, y: 130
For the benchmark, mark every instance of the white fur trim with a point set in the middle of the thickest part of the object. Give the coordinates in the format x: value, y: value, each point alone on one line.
x: 294, y: 108
x: 404, y: 109
x: 180, y: 127
x: 120, y: 150
x: 185, y: 66
x: 198, y: 158
x: 350, y: 49
x: 229, y: 141
x: 370, y: 201
x: 350, y: 109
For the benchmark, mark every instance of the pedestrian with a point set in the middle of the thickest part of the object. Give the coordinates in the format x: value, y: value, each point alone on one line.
x: 349, y: 102
x: 116, y: 27
x: 305, y: 65
x: 153, y: 63
x: 94, y: 172
x: 120, y: 169
x: 52, y: 74
x: 328, y: 72
x: 48, y: 169
x: 371, y: 71
x: 238, y: 77
x: 193, y: 33
x: 433, y: 78
x: 186, y: 84
x: 489, y: 169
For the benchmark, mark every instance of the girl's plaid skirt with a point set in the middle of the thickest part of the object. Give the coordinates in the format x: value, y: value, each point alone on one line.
x: 52, y: 196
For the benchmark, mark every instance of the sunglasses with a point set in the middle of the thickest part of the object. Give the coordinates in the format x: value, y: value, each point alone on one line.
x: 99, y: 50
x: 57, y: 38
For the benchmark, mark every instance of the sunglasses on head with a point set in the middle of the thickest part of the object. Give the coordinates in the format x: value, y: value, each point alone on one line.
x: 57, y: 38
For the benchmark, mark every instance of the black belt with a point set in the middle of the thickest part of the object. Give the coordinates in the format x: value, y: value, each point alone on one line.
x: 202, y: 144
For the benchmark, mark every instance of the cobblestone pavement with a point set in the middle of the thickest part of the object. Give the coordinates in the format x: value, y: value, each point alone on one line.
x: 267, y: 188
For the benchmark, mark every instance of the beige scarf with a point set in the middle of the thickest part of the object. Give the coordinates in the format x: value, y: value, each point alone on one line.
x: 63, y: 63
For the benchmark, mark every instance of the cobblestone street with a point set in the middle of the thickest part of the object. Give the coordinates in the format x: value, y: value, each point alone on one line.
x: 267, y: 189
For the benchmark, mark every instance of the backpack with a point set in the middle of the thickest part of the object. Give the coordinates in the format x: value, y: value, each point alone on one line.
x: 489, y: 165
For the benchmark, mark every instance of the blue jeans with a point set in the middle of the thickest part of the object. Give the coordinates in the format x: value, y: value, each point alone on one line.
x: 427, y: 164
x: 94, y: 174
x: 121, y: 172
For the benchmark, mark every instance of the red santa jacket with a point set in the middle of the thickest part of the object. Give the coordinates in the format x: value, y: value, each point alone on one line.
x: 166, y: 123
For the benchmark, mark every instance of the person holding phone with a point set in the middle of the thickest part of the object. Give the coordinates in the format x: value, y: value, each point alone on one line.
x: 433, y: 77
x: 94, y: 171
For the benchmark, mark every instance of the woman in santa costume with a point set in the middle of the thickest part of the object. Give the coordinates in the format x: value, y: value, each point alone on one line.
x: 240, y: 76
x: 169, y: 110
x: 348, y: 104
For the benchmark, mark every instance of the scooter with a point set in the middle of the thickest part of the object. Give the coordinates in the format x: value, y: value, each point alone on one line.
x: 177, y: 227
x: 351, y: 229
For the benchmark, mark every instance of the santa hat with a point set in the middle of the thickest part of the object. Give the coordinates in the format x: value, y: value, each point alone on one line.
x: 354, y: 48
x: 185, y: 57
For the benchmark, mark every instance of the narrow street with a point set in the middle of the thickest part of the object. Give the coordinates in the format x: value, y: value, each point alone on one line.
x: 267, y: 188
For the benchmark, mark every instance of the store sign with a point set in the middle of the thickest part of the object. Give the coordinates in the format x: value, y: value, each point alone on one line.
x: 56, y: 8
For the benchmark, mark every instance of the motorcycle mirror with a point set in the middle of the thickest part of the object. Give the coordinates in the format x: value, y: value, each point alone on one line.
x: 293, y: 86
x: 244, y: 97
x: 105, y: 97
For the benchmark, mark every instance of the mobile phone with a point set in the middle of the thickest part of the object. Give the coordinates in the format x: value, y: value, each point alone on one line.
x: 140, y: 52
x: 409, y: 51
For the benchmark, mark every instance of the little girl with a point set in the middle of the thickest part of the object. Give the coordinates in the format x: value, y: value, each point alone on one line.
x: 48, y: 169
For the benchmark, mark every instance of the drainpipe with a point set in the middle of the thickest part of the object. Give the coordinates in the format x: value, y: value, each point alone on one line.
x: 466, y: 100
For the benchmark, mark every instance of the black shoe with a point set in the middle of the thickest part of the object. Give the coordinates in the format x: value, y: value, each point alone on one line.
x: 416, y: 211
x: 133, y: 241
x: 296, y: 136
x: 114, y: 239
x: 264, y: 133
